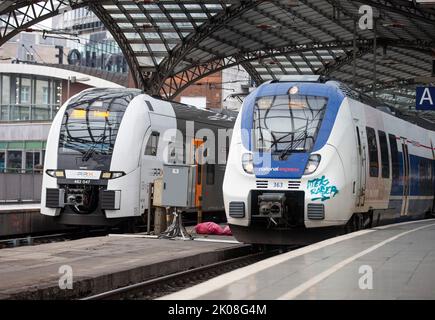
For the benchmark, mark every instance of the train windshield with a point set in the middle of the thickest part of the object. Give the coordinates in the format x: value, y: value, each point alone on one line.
x: 91, y: 127
x: 287, y: 123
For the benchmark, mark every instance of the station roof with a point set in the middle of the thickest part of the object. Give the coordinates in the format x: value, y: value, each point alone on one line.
x: 170, y: 44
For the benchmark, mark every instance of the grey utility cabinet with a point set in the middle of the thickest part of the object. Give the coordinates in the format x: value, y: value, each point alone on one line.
x: 177, y: 187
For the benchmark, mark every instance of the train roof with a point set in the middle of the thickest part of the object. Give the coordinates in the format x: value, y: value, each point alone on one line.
x: 103, y: 93
x: 224, y: 117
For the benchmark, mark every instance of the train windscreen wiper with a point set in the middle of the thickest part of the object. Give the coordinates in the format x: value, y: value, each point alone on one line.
x: 292, y: 147
x: 88, y: 154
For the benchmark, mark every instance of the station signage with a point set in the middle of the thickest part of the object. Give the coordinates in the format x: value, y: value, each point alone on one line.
x: 425, y: 98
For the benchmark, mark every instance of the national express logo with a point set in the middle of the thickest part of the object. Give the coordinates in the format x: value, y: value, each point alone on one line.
x: 277, y: 169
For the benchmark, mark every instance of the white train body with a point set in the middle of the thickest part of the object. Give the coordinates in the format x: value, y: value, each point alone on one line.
x: 374, y: 167
x: 106, y: 146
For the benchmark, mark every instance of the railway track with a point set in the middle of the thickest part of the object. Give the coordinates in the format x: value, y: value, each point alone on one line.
x: 158, y: 287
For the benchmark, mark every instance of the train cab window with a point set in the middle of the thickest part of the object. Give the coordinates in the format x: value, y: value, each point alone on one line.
x: 373, y: 152
x: 384, y: 154
x: 394, y: 156
x: 153, y: 143
x: 211, y: 168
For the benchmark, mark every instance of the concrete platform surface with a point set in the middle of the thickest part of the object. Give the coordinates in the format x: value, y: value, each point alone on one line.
x: 391, y: 262
x: 100, y: 264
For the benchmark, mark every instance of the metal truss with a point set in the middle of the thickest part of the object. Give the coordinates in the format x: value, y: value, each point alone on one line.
x: 160, y: 77
x: 17, y: 16
x: 178, y: 82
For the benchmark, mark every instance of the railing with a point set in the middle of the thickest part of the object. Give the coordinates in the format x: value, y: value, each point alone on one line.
x: 20, y: 187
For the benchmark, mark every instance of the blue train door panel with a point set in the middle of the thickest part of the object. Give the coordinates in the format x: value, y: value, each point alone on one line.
x: 406, y: 178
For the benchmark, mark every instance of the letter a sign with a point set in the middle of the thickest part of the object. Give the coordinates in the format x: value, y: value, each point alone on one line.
x: 425, y: 98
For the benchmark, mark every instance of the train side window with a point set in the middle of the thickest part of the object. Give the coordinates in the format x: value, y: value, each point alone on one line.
x: 373, y: 152
x: 394, y: 156
x: 210, y: 174
x: 384, y: 154
x: 153, y: 143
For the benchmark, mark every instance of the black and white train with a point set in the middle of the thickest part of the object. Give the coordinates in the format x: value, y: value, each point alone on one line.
x: 106, y: 145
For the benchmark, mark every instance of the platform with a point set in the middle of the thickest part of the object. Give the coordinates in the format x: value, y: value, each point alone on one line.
x: 21, y: 219
x: 102, y: 264
x: 400, y: 258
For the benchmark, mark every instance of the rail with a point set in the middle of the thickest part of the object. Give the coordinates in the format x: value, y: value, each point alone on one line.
x: 164, y: 285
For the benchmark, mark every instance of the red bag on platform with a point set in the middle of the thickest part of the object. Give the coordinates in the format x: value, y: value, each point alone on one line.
x: 209, y: 228
x: 227, y: 231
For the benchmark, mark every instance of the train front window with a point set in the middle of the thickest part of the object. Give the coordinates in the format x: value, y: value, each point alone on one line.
x: 91, y: 127
x: 288, y: 123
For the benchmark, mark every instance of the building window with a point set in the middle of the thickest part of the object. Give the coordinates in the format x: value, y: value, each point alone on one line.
x: 373, y: 152
x: 4, y: 113
x: 20, y: 113
x: 15, y: 159
x: 384, y: 154
x: 2, y: 161
x: 35, y: 98
x: 45, y: 95
x: 25, y: 94
x: 33, y: 161
x: 152, y: 145
x: 6, y: 90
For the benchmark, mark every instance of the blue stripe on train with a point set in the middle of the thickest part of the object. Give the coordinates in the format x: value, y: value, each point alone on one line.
x: 420, y: 184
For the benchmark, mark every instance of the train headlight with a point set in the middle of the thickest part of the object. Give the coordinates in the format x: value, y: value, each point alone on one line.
x: 313, y: 164
x: 56, y: 173
x: 107, y: 175
x: 248, y: 163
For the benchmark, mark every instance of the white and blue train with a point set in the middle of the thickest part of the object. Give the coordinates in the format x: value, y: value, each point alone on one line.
x: 310, y: 158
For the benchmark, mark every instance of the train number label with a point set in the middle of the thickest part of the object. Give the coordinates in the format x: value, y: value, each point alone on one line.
x: 82, y: 181
x: 277, y: 185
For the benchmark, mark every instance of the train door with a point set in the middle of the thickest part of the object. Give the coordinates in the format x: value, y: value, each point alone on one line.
x: 406, y: 169
x: 198, y: 145
x: 152, y: 154
x: 362, y: 167
x: 151, y: 167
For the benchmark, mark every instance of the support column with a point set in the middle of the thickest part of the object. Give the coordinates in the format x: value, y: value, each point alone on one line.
x: 159, y: 220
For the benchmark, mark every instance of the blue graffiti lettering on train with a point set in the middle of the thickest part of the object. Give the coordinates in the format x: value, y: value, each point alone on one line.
x: 321, y: 189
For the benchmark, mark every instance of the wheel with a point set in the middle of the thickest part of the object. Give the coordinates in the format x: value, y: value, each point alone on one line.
x: 355, y: 223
